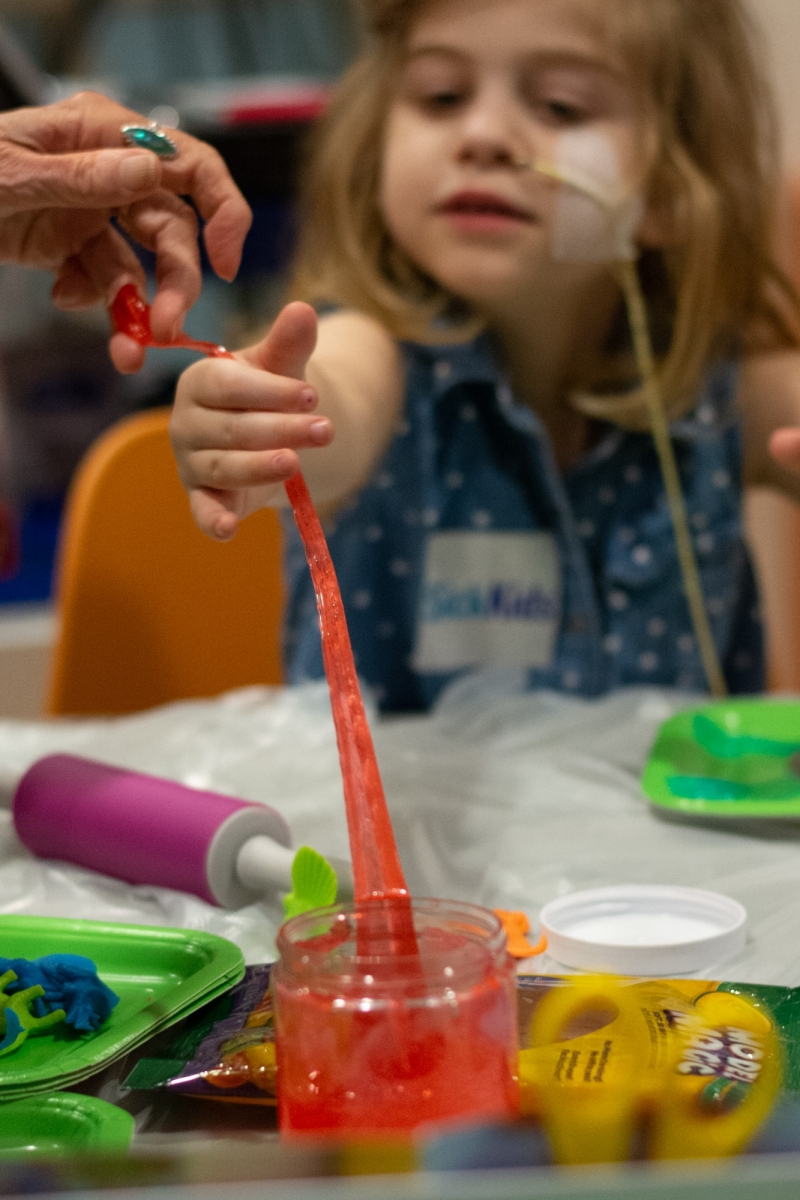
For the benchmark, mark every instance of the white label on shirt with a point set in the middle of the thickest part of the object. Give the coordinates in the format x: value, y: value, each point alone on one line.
x: 488, y: 599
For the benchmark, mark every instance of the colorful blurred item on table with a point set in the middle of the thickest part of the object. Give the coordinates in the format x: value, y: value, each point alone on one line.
x: 608, y: 1063
x: 36, y: 995
x: 63, y: 1123
x: 737, y: 758
x: 516, y: 925
x: 160, y: 975
x: 609, y: 1069
x: 148, y: 830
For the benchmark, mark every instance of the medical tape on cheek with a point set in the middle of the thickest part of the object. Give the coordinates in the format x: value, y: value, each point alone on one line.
x: 596, y: 215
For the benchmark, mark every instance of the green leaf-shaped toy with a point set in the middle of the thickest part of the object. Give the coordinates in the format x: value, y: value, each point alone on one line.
x: 16, y: 1019
x: 314, y: 883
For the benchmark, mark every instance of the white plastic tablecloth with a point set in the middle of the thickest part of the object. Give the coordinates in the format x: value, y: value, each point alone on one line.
x: 500, y: 797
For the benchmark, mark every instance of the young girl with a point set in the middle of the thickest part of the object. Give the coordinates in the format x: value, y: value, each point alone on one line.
x: 493, y: 492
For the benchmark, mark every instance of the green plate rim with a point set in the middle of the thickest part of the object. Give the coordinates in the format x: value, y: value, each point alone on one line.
x: 658, y: 766
x: 111, y: 1128
x: 225, y: 964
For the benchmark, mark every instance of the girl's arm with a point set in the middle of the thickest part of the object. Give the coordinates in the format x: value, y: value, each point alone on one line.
x: 770, y: 402
x: 240, y: 428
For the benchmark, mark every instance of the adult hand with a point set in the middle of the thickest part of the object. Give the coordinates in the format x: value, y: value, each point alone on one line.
x: 65, y: 172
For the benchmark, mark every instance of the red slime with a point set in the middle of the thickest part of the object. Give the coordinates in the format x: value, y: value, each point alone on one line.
x: 386, y: 1034
x: 376, y: 864
x: 361, y: 1053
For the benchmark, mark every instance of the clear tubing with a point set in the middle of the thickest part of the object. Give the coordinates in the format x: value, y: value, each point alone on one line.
x: 643, y: 350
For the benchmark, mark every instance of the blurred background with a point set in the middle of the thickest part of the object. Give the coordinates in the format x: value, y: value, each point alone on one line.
x: 249, y: 76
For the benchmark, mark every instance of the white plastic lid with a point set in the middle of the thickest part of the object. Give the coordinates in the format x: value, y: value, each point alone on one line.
x: 643, y: 930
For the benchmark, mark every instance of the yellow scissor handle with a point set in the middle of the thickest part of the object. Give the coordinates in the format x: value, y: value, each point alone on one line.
x: 588, y: 1083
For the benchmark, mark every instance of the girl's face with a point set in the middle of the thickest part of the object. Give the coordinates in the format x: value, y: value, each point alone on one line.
x: 488, y: 86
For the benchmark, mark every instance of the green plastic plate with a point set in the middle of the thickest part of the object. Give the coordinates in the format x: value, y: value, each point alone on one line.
x: 62, y: 1122
x: 159, y: 974
x: 734, y: 758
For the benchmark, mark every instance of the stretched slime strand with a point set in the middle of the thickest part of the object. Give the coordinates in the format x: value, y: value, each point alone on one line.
x: 377, y: 872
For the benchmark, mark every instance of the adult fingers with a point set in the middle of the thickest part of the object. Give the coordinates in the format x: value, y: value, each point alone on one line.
x: 127, y: 356
x: 109, y: 262
x: 199, y: 172
x: 86, y: 179
x: 289, y: 344
x: 166, y: 225
x: 89, y: 122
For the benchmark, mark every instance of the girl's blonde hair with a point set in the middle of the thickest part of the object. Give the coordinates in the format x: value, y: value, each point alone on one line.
x: 715, y: 290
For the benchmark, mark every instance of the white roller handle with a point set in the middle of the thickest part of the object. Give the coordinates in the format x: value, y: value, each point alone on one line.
x: 263, y: 866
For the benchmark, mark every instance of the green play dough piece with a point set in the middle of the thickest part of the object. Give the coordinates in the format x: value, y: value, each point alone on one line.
x: 314, y: 883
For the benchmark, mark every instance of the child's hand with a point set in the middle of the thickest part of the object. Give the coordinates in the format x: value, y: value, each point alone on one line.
x: 237, y: 424
x: 784, y: 446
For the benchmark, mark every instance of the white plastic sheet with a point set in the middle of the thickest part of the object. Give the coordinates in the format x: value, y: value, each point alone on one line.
x: 500, y: 797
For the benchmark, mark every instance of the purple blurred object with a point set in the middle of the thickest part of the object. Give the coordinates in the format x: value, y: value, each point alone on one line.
x: 143, y: 829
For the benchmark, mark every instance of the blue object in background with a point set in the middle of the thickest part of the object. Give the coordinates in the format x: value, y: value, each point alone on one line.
x: 33, y: 582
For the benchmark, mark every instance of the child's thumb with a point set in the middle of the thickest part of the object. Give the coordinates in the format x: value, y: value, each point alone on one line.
x: 289, y: 344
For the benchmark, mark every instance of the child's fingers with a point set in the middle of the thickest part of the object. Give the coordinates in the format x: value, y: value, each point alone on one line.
x: 224, y: 431
x: 234, y: 470
x: 289, y: 344
x: 227, y: 384
x: 215, y: 513
x: 784, y: 446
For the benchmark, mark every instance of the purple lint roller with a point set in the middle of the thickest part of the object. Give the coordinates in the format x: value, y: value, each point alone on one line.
x: 148, y: 830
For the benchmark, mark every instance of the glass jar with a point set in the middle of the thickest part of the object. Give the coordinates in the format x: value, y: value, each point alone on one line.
x: 371, y: 1040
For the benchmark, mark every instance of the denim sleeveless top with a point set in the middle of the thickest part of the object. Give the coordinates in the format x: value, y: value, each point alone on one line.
x: 469, y: 549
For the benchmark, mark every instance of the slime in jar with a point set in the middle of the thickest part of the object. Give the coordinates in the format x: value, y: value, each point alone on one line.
x: 389, y: 1013
x: 370, y: 1043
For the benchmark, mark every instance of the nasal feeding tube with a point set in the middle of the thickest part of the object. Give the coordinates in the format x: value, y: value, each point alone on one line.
x: 597, y: 223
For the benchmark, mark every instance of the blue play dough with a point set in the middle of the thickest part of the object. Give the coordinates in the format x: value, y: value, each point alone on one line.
x: 70, y: 982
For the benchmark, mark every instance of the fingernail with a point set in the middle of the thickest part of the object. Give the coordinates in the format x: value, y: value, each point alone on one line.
x: 138, y: 171
x: 320, y: 431
x: 308, y: 398
x: 280, y: 463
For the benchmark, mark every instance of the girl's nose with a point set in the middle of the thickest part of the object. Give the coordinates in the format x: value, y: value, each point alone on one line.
x: 491, y: 136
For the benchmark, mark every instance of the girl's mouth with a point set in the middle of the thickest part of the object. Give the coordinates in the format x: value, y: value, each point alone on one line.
x: 480, y: 211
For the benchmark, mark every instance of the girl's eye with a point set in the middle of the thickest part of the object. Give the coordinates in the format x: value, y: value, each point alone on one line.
x: 564, y: 113
x: 442, y: 101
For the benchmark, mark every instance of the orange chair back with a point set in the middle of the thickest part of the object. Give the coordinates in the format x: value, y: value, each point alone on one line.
x: 150, y: 609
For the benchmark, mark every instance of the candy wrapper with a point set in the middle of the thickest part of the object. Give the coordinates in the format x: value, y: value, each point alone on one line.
x: 225, y: 1052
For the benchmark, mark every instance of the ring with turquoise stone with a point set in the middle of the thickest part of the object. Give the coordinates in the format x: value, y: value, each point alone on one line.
x: 150, y: 137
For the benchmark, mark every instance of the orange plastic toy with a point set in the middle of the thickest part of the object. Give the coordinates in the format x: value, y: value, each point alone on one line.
x: 516, y: 925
